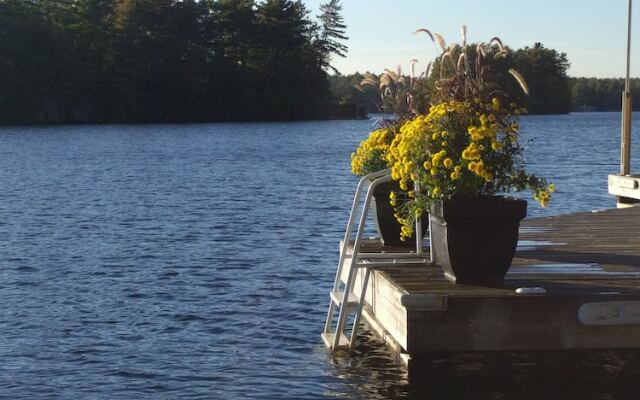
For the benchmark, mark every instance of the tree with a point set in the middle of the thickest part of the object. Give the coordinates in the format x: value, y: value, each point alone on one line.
x: 331, y: 33
x: 287, y: 64
x: 545, y: 71
x: 234, y: 22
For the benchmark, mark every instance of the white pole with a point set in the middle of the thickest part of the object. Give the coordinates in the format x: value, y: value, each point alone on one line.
x: 418, y: 223
x: 626, y: 83
x: 627, y: 106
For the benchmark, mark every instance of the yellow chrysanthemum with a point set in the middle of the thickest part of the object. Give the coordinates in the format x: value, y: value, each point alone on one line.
x: 495, y: 104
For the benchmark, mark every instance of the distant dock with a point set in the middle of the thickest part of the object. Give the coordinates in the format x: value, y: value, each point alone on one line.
x: 574, y: 284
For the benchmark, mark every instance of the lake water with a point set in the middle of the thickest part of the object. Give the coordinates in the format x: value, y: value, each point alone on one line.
x: 195, y: 261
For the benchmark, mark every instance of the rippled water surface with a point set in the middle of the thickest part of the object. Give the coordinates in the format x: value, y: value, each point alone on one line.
x: 194, y: 261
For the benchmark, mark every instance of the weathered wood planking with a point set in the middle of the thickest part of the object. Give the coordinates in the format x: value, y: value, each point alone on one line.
x: 578, y: 259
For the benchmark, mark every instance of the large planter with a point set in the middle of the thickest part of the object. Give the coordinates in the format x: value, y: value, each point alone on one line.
x: 475, y: 238
x: 388, y: 226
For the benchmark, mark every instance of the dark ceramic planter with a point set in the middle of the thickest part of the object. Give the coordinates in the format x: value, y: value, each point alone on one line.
x: 388, y: 226
x: 475, y: 238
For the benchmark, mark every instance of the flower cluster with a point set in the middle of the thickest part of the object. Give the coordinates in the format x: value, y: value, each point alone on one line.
x: 460, y: 148
x: 543, y: 194
x: 371, y: 154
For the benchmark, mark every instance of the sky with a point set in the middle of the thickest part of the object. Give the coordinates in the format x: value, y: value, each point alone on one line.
x: 592, y: 33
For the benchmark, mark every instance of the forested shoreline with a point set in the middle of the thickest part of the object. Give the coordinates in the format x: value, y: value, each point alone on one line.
x: 602, y: 94
x: 70, y: 61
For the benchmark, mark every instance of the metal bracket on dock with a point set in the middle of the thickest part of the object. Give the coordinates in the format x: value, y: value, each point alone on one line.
x: 610, y: 313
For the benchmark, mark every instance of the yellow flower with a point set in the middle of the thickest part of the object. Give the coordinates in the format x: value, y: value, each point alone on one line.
x: 395, y: 173
x: 434, y: 171
x: 448, y: 163
x: 472, y: 152
x: 436, y: 191
x: 434, y: 161
x: 474, y: 132
x: 427, y: 165
x: 495, y: 104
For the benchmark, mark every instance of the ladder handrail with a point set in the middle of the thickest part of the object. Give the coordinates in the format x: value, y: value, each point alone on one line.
x: 365, y: 212
x: 352, y: 215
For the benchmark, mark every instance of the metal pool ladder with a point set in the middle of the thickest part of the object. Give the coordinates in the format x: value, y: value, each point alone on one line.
x: 343, y: 300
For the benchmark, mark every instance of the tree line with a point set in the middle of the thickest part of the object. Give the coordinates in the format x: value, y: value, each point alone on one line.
x: 551, y: 91
x: 165, y: 60
x: 545, y: 71
x: 602, y: 94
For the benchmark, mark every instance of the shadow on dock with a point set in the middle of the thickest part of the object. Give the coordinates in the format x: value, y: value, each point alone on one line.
x: 574, y: 257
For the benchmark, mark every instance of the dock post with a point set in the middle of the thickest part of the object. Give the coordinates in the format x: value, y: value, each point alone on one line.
x: 418, y: 224
x: 624, y: 185
x: 627, y: 107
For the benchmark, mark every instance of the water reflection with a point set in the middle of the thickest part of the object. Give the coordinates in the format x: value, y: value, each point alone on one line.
x: 372, y: 373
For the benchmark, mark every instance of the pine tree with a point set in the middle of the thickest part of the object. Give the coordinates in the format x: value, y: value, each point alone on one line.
x: 331, y: 34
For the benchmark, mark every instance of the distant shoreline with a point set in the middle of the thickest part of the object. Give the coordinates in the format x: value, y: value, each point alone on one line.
x: 370, y: 116
x: 171, y: 122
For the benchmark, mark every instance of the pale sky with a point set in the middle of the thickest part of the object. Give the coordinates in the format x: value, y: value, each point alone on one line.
x: 593, y: 33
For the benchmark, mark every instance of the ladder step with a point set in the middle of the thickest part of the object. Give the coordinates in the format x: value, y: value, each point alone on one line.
x: 328, y: 337
x: 337, y: 298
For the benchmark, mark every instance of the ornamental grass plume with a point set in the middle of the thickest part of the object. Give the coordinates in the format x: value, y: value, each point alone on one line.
x: 398, y: 94
x: 397, y: 98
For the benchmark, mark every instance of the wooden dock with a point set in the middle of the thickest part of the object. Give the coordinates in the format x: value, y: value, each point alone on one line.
x: 574, y: 284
